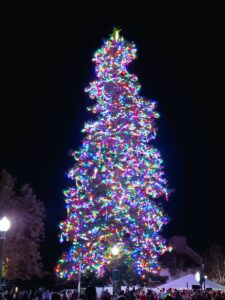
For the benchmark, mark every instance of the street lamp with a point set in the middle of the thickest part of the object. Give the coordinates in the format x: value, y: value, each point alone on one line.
x: 79, y: 279
x: 205, y: 277
x: 4, y: 227
x: 115, y: 272
x: 200, y: 277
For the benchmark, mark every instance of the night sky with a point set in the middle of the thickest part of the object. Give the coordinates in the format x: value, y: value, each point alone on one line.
x: 45, y: 66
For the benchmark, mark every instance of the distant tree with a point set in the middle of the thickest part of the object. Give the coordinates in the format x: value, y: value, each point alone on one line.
x: 178, y: 263
x: 215, y: 263
x: 175, y: 262
x: 26, y: 214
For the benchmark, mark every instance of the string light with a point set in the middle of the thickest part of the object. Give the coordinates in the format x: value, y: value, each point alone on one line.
x: 117, y: 176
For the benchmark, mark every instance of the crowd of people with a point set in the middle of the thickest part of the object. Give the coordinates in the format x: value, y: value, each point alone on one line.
x: 127, y: 294
x: 170, y: 294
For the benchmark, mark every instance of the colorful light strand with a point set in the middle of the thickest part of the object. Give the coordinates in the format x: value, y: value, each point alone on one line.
x: 117, y: 175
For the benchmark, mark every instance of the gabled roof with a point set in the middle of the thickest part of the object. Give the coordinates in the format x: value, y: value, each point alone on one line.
x: 187, y: 281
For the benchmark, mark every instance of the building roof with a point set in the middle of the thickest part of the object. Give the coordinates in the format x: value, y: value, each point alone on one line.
x: 186, y: 282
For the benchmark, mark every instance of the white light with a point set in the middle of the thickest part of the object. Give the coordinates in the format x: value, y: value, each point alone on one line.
x: 4, y: 224
x: 115, y: 250
x: 205, y: 276
x: 197, y: 276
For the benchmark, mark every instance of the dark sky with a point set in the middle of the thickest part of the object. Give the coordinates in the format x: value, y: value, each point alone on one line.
x: 45, y: 66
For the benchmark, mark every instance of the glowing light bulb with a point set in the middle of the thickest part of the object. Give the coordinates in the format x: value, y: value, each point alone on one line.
x: 115, y: 250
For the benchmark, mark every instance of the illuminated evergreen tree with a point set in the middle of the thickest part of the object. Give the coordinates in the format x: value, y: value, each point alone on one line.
x: 117, y: 175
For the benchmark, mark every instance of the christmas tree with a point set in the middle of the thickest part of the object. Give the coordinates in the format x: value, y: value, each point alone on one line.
x: 117, y: 176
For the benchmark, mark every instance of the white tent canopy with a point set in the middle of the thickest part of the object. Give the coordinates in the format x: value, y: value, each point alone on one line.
x: 187, y: 281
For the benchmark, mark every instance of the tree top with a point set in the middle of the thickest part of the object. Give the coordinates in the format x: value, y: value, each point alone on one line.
x: 115, y: 35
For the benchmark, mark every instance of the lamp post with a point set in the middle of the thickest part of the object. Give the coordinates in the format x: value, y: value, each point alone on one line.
x: 115, y: 272
x: 200, y: 277
x: 205, y: 277
x: 79, y: 279
x: 4, y: 227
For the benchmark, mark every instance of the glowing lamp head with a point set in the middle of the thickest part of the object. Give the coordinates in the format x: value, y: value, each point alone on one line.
x: 4, y: 224
x: 197, y: 276
x: 115, y: 250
